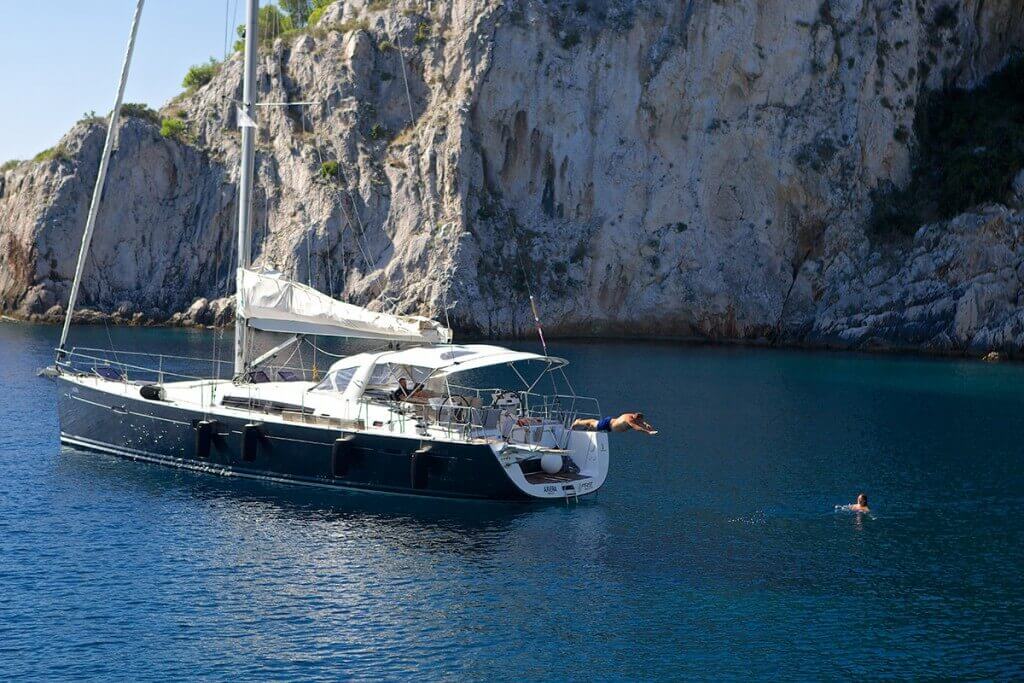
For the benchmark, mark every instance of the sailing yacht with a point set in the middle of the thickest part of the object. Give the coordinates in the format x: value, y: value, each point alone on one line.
x: 403, y: 419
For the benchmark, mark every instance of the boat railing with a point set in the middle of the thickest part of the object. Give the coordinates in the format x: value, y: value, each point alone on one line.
x: 526, y: 417
x: 136, y: 366
x: 155, y: 369
x: 534, y: 404
x: 559, y: 406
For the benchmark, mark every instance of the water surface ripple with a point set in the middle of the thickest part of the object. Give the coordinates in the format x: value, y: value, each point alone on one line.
x: 713, y: 551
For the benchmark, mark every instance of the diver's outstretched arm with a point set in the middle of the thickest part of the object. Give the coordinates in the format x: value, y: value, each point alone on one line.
x: 634, y: 421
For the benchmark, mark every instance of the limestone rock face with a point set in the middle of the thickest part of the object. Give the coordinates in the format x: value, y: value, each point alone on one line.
x: 655, y: 168
x: 955, y: 287
x: 163, y: 234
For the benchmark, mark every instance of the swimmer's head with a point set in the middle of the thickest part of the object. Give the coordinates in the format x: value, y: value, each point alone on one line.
x: 862, y: 499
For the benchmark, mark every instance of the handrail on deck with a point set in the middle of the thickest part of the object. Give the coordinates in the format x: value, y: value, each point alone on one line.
x: 73, y: 355
x: 154, y: 355
x: 74, y: 359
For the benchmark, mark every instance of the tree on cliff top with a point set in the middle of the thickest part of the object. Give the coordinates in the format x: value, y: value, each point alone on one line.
x: 292, y: 15
x: 301, y: 11
x: 272, y: 23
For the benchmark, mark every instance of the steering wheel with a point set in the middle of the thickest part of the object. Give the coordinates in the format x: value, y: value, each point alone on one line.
x: 455, y: 414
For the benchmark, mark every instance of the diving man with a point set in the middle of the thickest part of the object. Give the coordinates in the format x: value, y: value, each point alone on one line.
x: 622, y: 423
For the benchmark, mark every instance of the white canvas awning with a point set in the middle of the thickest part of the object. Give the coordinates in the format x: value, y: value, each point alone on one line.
x: 359, y: 370
x: 449, y: 358
x: 271, y: 302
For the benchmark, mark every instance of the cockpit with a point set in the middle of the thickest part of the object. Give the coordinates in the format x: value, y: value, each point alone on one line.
x: 433, y: 382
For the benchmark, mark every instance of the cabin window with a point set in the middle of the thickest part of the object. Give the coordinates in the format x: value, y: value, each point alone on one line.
x: 386, y: 375
x: 337, y: 380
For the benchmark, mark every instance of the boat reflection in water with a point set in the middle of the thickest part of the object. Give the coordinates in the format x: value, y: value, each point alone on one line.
x: 261, y: 519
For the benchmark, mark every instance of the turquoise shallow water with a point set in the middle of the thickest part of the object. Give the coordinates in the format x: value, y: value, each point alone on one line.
x: 713, y: 550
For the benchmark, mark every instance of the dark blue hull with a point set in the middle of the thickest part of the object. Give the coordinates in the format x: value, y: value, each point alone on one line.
x: 161, y: 433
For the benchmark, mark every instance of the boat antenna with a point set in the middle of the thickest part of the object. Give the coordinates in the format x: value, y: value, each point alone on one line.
x: 533, y: 304
x: 101, y: 176
x: 540, y: 329
x: 536, y: 321
x: 247, y: 121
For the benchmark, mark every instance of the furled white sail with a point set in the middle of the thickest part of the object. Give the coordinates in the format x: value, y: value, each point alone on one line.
x: 271, y: 302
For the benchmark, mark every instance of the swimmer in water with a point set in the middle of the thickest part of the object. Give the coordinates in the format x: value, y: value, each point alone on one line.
x: 861, y: 505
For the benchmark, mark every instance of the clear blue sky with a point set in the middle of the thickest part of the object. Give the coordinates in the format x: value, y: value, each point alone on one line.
x: 62, y: 58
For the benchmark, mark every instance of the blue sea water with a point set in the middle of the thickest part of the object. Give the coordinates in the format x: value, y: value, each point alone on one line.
x: 714, y: 550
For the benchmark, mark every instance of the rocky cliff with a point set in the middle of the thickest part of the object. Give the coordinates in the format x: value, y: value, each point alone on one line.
x: 674, y: 168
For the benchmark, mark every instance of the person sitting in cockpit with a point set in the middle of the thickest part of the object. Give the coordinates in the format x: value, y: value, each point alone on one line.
x: 414, y: 394
x: 403, y: 392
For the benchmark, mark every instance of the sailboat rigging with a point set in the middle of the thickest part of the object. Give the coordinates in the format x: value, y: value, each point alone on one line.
x: 404, y: 420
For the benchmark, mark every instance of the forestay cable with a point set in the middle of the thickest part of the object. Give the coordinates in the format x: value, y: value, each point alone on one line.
x: 101, y: 177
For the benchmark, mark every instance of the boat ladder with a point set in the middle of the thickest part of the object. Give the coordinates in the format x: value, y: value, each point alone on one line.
x: 571, y: 494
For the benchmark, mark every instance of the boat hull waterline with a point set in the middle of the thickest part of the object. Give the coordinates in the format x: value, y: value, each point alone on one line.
x: 162, y: 433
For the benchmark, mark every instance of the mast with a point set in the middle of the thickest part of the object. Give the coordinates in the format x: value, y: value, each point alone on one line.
x: 101, y: 177
x: 245, y: 176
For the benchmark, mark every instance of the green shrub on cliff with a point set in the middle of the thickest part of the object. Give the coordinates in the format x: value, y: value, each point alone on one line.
x: 315, y: 15
x: 135, y: 110
x: 977, y: 138
x: 57, y: 152
x: 422, y: 34
x: 173, y: 128
x: 349, y: 26
x: 320, y: 6
x: 90, y: 117
x: 140, y: 111
x: 9, y: 165
x: 330, y: 171
x: 969, y: 147
x: 200, y: 74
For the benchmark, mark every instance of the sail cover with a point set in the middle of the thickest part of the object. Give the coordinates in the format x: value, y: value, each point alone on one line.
x: 271, y: 302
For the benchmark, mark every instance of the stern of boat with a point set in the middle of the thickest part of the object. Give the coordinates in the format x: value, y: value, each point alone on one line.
x: 584, y: 466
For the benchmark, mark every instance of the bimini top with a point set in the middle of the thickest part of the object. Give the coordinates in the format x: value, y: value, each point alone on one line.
x: 273, y: 303
x: 447, y: 359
